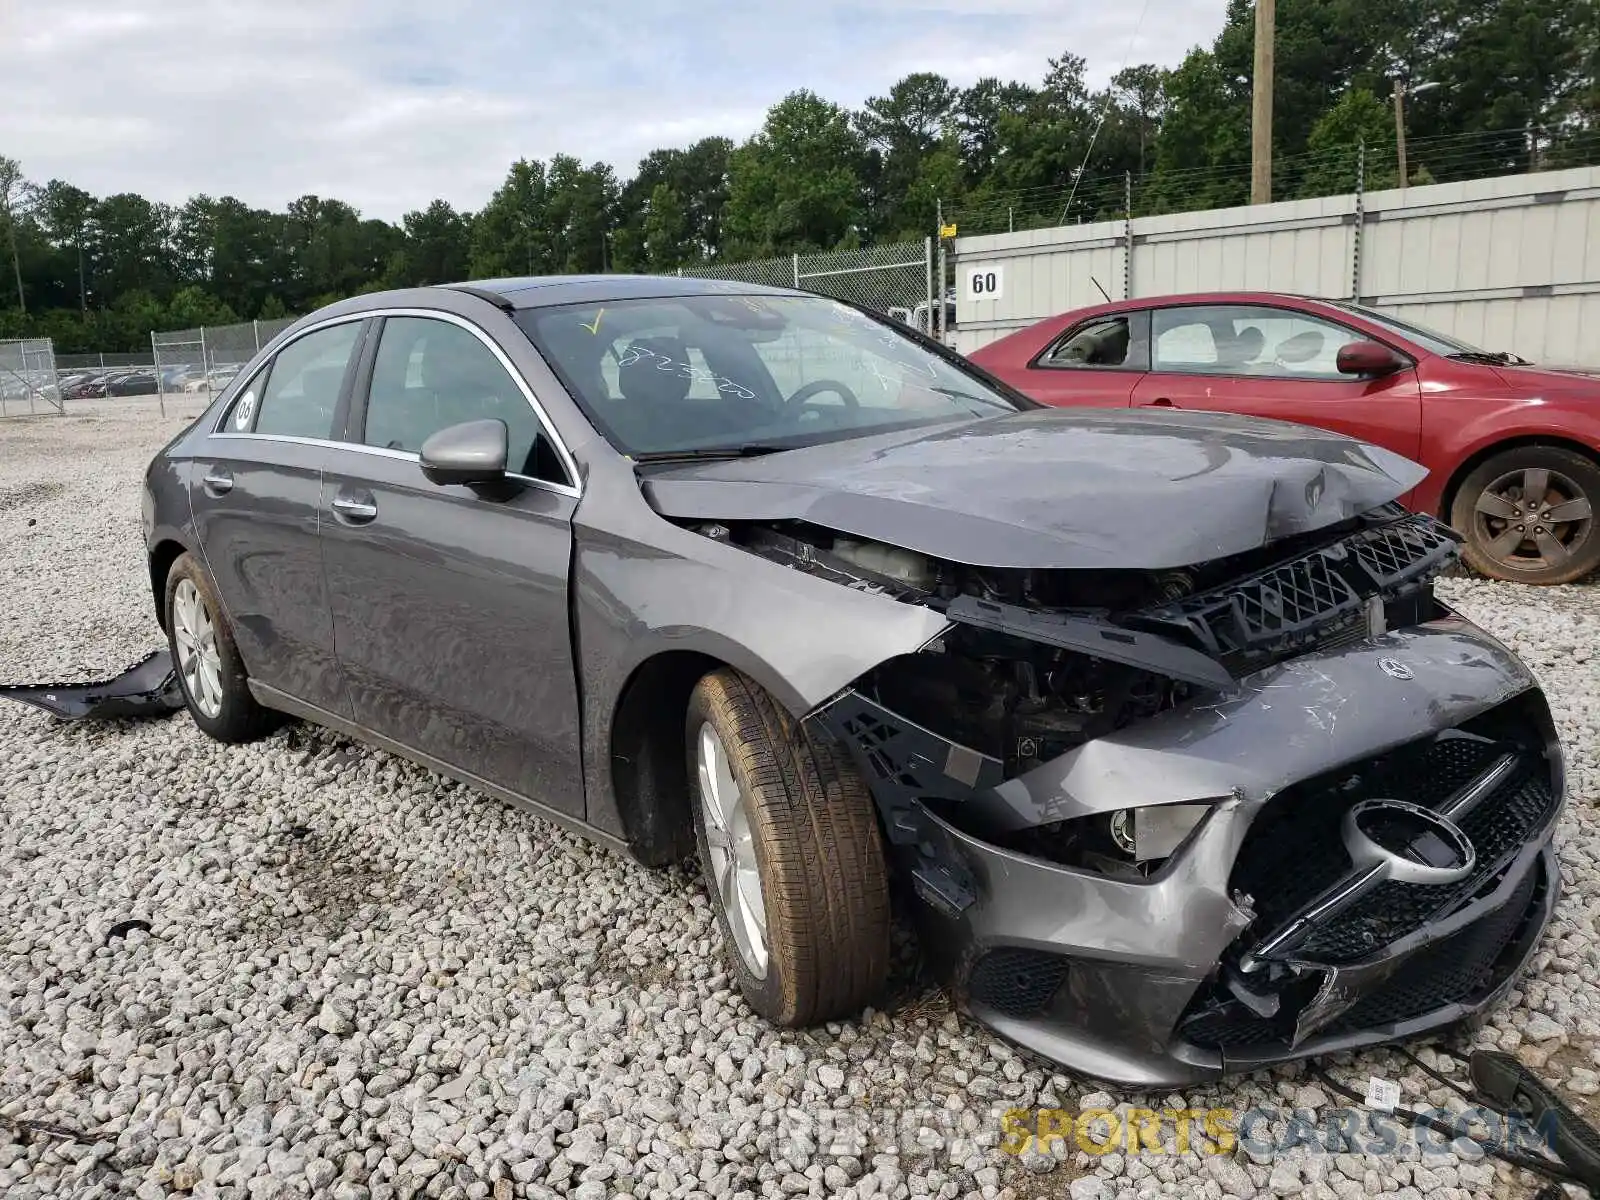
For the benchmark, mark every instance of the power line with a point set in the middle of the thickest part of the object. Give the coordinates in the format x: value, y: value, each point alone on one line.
x: 1110, y: 94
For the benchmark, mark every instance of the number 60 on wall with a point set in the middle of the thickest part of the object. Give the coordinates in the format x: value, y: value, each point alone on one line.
x: 985, y: 282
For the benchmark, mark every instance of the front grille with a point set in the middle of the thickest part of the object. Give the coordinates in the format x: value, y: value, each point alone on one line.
x: 1498, y: 828
x: 1456, y: 969
x: 1318, y: 598
x: 1460, y: 969
x: 1294, y: 852
x: 1018, y: 983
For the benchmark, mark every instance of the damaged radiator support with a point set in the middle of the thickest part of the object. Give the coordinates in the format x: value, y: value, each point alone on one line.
x: 905, y: 765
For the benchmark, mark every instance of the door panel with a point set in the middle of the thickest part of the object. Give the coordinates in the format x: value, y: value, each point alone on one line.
x: 451, y: 621
x: 1277, y: 364
x: 450, y: 609
x: 255, y: 503
x: 255, y: 496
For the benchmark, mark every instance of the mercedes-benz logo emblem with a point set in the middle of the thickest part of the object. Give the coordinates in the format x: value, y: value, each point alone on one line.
x: 1395, y: 669
x: 1409, y: 843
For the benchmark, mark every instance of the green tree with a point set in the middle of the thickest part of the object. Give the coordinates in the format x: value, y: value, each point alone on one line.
x: 1333, y: 149
x: 668, y: 240
x: 797, y: 184
x: 193, y: 307
x: 978, y: 114
x: 11, y: 197
x: 901, y: 131
x: 509, y: 235
x: 437, y: 247
x: 64, y: 212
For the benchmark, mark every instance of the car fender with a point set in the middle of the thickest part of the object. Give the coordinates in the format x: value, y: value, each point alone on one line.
x: 643, y: 586
x: 1557, y: 419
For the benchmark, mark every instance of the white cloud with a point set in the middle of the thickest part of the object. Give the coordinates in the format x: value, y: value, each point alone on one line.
x: 390, y: 103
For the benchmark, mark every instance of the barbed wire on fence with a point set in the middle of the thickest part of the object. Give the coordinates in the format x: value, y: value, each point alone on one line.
x: 1324, y: 172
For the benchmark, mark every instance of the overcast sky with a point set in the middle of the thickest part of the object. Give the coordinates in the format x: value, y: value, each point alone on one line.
x: 389, y: 103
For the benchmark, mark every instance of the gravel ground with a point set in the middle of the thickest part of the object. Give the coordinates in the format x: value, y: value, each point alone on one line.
x: 354, y: 979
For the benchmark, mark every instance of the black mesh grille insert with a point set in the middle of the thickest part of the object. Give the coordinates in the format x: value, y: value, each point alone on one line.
x: 1459, y: 969
x: 1498, y: 827
x: 1456, y: 969
x: 1294, y: 851
x: 1018, y: 983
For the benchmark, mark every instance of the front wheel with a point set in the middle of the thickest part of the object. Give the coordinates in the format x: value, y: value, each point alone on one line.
x: 791, y: 854
x: 1528, y: 515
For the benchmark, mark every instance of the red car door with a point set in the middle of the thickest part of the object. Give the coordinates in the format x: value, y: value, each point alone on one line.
x: 1095, y: 362
x: 1264, y: 361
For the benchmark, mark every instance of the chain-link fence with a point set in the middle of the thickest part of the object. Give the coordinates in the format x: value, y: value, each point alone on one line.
x: 205, y: 359
x: 896, y: 279
x: 28, y: 378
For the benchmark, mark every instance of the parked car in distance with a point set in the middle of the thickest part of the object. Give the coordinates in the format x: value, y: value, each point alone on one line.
x: 133, y: 383
x: 1512, y: 449
x: 1147, y: 717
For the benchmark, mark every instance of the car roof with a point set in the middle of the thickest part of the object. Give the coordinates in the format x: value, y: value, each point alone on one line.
x: 543, y: 291
x: 1181, y: 299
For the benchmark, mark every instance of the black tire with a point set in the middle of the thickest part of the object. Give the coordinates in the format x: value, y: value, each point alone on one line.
x: 1488, y: 510
x: 240, y: 718
x: 819, y: 854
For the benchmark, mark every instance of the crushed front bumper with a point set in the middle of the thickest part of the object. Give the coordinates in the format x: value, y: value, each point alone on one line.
x: 1246, y: 946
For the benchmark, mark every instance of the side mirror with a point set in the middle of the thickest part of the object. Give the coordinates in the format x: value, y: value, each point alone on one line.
x: 471, y: 452
x: 1368, y: 358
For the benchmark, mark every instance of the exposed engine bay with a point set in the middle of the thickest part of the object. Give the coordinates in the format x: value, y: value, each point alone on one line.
x: 1039, y: 662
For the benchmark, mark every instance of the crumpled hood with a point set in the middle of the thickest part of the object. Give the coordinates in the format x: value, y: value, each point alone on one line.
x: 1079, y: 488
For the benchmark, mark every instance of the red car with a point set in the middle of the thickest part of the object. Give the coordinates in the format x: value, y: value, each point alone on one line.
x: 1513, y: 451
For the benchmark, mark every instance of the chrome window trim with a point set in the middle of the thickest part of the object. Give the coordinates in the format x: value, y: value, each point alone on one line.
x: 242, y: 380
x: 568, y: 463
x: 383, y: 452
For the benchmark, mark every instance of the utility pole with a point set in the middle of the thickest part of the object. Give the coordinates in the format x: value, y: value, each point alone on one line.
x: 1400, y: 129
x: 1261, y: 105
x: 1400, y: 93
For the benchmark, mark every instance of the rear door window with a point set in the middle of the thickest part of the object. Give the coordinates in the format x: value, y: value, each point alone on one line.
x: 303, y: 386
x: 1102, y: 342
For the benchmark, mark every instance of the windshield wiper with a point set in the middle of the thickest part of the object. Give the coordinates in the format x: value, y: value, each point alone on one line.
x: 748, y: 450
x: 1494, y: 358
x: 957, y: 394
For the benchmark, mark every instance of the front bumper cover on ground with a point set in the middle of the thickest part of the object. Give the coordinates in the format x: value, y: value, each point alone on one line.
x: 1149, y: 981
x: 149, y: 688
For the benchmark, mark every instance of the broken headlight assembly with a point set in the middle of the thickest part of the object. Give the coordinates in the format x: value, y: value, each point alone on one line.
x: 1128, y: 843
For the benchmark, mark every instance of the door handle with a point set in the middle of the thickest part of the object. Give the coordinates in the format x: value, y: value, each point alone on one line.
x: 357, y: 510
x: 218, y: 483
x: 1158, y: 402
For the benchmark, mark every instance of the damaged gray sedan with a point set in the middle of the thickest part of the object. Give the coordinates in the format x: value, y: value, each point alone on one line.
x: 1155, y: 715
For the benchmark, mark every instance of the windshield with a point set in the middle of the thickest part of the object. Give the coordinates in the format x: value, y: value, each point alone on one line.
x: 747, y: 372
x: 1430, y: 340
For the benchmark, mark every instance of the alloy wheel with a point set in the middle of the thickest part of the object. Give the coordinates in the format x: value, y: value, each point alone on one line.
x: 731, y: 849
x: 199, y: 660
x: 1532, y: 519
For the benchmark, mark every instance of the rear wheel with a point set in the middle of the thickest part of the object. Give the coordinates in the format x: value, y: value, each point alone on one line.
x: 1528, y: 515
x: 210, y: 671
x: 791, y: 854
